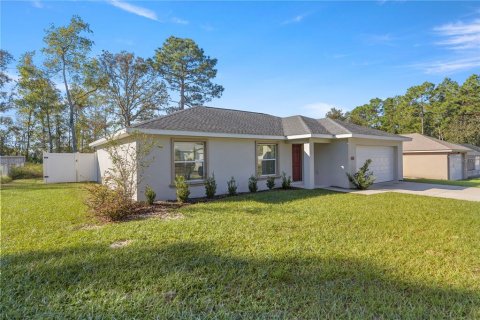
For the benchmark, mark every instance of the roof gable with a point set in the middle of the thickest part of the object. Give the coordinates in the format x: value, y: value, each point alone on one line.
x: 421, y: 142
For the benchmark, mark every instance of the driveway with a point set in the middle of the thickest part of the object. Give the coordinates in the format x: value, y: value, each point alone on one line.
x: 421, y: 189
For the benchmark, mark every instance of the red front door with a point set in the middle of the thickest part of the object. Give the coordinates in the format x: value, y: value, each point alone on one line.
x: 297, y: 162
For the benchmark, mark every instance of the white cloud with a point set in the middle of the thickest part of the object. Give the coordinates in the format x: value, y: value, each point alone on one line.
x: 37, y: 4
x: 295, y: 19
x: 179, y: 21
x: 450, y: 66
x: 317, y: 109
x: 139, y: 11
x: 460, y: 35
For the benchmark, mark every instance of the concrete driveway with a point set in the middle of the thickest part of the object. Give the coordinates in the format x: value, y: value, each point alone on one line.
x: 421, y: 189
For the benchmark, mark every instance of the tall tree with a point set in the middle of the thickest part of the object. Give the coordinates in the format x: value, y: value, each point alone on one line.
x: 419, y: 98
x: 5, y: 99
x: 133, y: 90
x: 37, y: 100
x: 367, y: 115
x: 335, y: 113
x: 188, y: 71
x: 66, y: 51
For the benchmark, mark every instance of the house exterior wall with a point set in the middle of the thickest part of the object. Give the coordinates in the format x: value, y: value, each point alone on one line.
x: 426, y: 165
x: 105, y: 162
x: 225, y: 157
x: 398, y: 151
x: 331, y: 164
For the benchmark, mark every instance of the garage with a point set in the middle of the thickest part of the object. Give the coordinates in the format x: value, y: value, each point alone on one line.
x: 383, y: 161
x: 455, y: 165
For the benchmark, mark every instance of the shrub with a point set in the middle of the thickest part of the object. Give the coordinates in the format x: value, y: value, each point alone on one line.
x: 182, y: 188
x: 150, y: 195
x: 5, y: 179
x: 252, y: 183
x: 363, y: 178
x: 270, y: 182
x: 286, y: 181
x: 108, y: 204
x: 28, y: 171
x: 232, y: 186
x: 210, y: 186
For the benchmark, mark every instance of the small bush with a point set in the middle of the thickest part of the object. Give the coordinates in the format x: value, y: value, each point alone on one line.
x: 252, y: 183
x: 210, y: 186
x: 182, y: 189
x: 270, y: 183
x: 28, y: 171
x: 108, y: 204
x: 232, y: 186
x: 150, y: 195
x: 286, y: 181
x: 5, y: 179
x: 363, y: 178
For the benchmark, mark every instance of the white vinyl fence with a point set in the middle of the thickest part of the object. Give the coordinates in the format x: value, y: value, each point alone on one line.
x: 9, y: 162
x: 69, y: 167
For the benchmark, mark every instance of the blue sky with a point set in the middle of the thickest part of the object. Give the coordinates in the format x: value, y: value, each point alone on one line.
x: 282, y: 58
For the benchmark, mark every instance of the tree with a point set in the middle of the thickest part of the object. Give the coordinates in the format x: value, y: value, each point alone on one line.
x: 337, y: 114
x: 367, y: 115
x: 66, y: 51
x: 133, y: 89
x: 37, y: 101
x: 5, y: 99
x: 419, y: 98
x: 188, y: 71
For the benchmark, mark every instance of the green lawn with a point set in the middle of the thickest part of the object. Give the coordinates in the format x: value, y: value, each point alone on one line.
x: 474, y: 182
x: 282, y: 254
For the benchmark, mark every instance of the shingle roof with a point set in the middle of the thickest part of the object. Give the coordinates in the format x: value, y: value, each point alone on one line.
x: 207, y: 119
x: 218, y: 120
x: 421, y: 142
x: 471, y: 146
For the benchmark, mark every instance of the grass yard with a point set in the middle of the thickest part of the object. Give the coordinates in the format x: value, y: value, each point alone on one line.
x: 282, y: 254
x: 474, y: 182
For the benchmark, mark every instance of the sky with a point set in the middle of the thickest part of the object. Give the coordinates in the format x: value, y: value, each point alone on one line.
x: 282, y: 58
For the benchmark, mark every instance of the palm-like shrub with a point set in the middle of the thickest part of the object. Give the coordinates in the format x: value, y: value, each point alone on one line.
x: 232, y: 186
x: 182, y: 189
x: 150, y: 195
x: 252, y: 183
x: 210, y: 186
x: 270, y: 183
x: 363, y: 178
x: 286, y: 181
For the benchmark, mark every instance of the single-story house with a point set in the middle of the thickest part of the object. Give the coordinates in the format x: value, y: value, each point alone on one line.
x: 431, y: 158
x: 202, y: 141
x: 473, y: 160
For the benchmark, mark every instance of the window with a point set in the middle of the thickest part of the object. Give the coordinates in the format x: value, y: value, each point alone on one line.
x: 189, y: 160
x: 266, y: 159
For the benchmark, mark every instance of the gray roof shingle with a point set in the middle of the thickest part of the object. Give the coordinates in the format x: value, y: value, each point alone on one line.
x: 229, y: 121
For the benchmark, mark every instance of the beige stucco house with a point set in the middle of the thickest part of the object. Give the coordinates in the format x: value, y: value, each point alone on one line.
x: 430, y: 158
x: 202, y: 141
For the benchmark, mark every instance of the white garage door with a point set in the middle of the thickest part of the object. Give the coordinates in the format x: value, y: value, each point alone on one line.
x: 455, y: 163
x: 383, y: 161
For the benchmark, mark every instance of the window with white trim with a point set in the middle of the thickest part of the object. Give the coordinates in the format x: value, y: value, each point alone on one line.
x: 189, y: 159
x: 267, y: 159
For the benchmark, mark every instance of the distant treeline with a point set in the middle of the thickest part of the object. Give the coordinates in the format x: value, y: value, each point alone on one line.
x: 448, y: 111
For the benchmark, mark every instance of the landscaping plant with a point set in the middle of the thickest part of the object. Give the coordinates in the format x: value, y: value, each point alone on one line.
x: 210, y: 186
x: 107, y: 203
x: 252, y: 183
x: 182, y: 188
x: 232, y: 186
x: 150, y: 195
x: 270, y: 182
x: 286, y: 181
x: 28, y: 171
x: 363, y: 178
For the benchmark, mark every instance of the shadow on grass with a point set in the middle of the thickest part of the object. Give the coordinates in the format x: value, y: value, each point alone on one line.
x: 187, y: 280
x: 279, y: 196
x: 36, y: 185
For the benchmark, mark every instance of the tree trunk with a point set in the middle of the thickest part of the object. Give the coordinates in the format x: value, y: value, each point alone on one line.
x: 27, y: 148
x: 181, y: 103
x: 72, y: 109
x: 49, y: 132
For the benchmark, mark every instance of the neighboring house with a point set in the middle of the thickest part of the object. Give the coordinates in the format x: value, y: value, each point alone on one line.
x: 430, y: 158
x: 473, y: 160
x: 202, y: 141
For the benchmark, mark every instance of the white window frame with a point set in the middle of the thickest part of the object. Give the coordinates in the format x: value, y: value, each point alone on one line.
x: 260, y: 174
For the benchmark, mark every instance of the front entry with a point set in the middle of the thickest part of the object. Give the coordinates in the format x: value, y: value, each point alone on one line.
x: 297, y: 162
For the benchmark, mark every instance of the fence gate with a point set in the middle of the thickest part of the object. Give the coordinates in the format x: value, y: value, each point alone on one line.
x: 69, y: 167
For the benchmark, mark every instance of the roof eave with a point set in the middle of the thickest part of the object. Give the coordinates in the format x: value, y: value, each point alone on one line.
x: 369, y: 136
